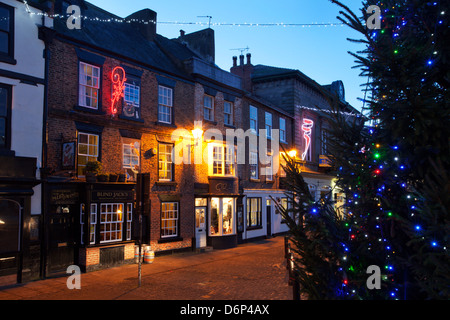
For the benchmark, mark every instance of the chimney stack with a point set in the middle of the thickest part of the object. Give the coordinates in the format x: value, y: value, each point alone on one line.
x: 182, y: 33
x: 147, y: 28
x: 234, y: 61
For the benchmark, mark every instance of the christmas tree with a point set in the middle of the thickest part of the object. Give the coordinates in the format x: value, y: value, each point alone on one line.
x: 393, y: 170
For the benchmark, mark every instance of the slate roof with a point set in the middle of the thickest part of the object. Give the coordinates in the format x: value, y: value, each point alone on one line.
x: 121, y: 38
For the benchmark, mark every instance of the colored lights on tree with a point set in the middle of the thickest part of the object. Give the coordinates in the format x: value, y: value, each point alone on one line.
x: 118, y: 78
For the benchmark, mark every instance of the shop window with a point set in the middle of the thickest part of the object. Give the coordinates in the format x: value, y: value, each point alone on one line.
x: 111, y: 222
x: 222, y: 217
x: 93, y: 222
x: 254, y: 213
x: 89, y: 84
x: 165, y: 104
x: 165, y: 162
x: 88, y: 150
x: 169, y: 219
x: 208, y: 108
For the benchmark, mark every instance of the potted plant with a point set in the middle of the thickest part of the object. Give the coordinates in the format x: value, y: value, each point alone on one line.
x: 122, y: 177
x: 92, y: 169
x: 113, y: 177
x: 102, y: 177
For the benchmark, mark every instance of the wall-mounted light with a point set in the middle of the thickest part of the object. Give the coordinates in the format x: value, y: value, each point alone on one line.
x: 197, y: 132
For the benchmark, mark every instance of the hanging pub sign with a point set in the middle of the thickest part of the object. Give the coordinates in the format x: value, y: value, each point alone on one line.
x: 68, y: 157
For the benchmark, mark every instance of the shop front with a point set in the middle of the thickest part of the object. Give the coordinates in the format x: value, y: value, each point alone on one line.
x: 89, y: 225
x: 215, y: 213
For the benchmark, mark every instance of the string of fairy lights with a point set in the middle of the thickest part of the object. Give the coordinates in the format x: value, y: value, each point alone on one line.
x: 197, y: 23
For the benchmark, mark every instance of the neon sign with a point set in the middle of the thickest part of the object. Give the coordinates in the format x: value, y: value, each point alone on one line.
x: 118, y: 80
x: 307, y: 130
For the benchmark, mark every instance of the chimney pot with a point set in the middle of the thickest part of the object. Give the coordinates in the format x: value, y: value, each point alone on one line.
x: 241, y: 59
x: 182, y: 33
x: 234, y: 61
x: 249, y: 55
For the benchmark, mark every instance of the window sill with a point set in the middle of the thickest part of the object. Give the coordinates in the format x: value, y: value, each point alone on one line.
x: 254, y: 180
x: 170, y: 125
x: 210, y: 121
x: 254, y: 228
x: 166, y: 183
x: 89, y: 110
x: 270, y: 181
x: 230, y: 126
x: 172, y: 239
x: 130, y: 119
x: 8, y: 59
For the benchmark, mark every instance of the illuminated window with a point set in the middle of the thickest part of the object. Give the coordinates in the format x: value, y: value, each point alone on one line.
x: 88, y: 145
x: 131, y: 153
x: 93, y: 222
x: 111, y: 222
x: 269, y: 167
x: 253, y: 164
x: 228, y: 113
x: 131, y: 98
x: 221, y: 217
x: 165, y: 166
x: 165, y: 104
x: 223, y: 160
x: 169, y: 219
x: 208, y: 108
x: 254, y: 212
x: 89, y: 81
x: 129, y: 219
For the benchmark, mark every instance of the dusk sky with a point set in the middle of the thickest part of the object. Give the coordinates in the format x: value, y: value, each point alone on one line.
x: 319, y: 52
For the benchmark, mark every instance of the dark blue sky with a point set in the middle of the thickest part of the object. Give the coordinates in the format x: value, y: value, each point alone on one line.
x: 319, y: 52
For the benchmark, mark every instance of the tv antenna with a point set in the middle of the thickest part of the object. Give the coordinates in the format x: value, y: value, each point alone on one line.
x: 242, y: 50
x: 209, y: 19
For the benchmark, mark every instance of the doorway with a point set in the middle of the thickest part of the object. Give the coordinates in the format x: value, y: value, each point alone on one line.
x: 200, y: 222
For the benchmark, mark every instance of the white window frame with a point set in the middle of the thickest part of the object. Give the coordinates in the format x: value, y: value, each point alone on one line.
x: 128, y: 152
x: 88, y: 155
x: 268, y: 122
x: 93, y: 222
x: 129, y: 219
x: 169, y: 215
x: 165, y: 104
x: 88, y: 82
x: 283, y: 137
x: 115, y: 225
x: 253, y: 164
x: 132, y: 94
x: 223, y: 160
x: 269, y: 166
x: 165, y: 165
x: 208, y: 109
x: 323, y: 142
x: 253, y: 114
x: 228, y: 113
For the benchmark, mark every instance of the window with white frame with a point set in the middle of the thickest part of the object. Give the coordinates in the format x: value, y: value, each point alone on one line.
x: 165, y: 162
x: 131, y: 154
x: 254, y: 119
x: 89, y: 84
x: 93, y: 222
x: 253, y: 164
x: 228, y: 113
x: 324, y: 148
x: 283, y: 130
x: 269, y: 166
x: 129, y: 220
x: 169, y: 219
x: 165, y: 104
x: 254, y: 212
x: 111, y: 222
x: 268, y: 120
x: 88, y: 147
x: 131, y: 99
x: 208, y: 108
x: 223, y: 160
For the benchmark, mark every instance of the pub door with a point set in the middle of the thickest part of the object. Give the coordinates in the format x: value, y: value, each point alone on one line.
x: 61, y: 241
x: 10, y: 233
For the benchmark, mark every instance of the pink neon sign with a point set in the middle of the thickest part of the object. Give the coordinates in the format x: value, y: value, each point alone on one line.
x: 307, y: 130
x: 118, y: 80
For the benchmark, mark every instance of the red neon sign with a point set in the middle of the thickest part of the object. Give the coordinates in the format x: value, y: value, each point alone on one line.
x: 118, y: 80
x: 307, y: 130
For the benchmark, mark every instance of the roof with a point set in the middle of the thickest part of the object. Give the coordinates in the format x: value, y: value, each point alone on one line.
x: 121, y: 38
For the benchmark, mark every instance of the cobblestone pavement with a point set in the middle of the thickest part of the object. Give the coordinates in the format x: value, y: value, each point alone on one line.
x: 252, y: 271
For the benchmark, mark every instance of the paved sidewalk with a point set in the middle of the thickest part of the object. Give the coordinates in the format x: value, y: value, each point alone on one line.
x: 252, y: 271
